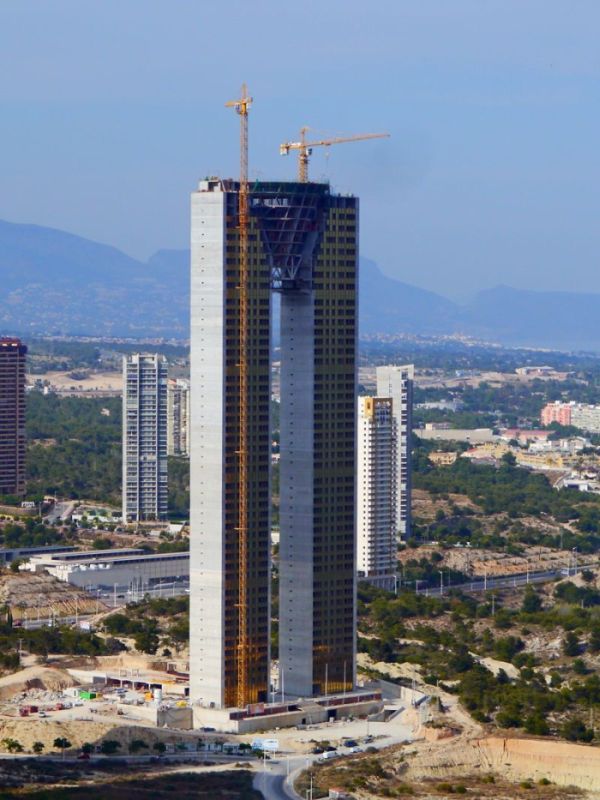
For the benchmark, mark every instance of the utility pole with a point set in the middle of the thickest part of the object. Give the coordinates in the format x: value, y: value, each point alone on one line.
x: 441, y: 582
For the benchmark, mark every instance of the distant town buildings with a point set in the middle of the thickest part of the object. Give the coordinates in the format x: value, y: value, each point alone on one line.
x: 12, y: 416
x: 145, y: 484
x: 396, y: 382
x: 537, y: 371
x: 178, y: 417
x: 580, y: 415
x: 376, y: 490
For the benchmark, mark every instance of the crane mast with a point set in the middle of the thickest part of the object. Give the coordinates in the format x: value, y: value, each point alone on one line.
x: 242, y: 107
x: 304, y: 148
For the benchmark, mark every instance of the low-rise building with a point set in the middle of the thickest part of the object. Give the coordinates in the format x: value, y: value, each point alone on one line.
x: 441, y: 458
x: 114, y: 569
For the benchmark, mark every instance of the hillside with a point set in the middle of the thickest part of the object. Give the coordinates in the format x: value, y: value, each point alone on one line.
x: 56, y: 282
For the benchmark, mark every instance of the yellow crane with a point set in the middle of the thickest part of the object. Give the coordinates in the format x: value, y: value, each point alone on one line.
x: 242, y: 107
x: 304, y: 148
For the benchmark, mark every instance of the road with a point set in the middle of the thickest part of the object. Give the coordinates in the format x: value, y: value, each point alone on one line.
x: 506, y: 581
x: 61, y: 510
x: 275, y: 778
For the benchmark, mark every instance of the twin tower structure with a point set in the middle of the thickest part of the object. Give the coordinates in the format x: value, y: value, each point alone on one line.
x: 302, y: 243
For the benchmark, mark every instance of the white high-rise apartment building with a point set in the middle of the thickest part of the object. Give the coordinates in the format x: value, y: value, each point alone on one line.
x: 145, y: 479
x: 178, y: 417
x: 376, y: 490
x: 397, y: 382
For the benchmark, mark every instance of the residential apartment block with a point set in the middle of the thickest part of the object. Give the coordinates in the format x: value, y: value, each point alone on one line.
x: 178, y: 417
x: 397, y: 382
x: 580, y: 415
x: 145, y: 479
x: 376, y: 491
x: 13, y: 355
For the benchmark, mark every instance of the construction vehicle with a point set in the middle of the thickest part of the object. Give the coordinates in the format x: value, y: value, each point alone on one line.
x: 304, y: 148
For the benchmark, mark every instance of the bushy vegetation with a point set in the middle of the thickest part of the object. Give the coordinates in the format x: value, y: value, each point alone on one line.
x: 74, y: 451
x: 449, y: 654
x: 45, y: 640
x: 85, y: 462
x: 30, y: 533
x: 512, y: 494
x: 152, y: 622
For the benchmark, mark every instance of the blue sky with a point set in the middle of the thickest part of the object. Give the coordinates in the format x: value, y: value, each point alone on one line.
x: 110, y: 112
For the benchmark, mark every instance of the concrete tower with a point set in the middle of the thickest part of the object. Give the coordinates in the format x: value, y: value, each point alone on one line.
x: 302, y: 244
x: 377, y: 481
x: 12, y: 416
x: 145, y: 480
x: 397, y: 383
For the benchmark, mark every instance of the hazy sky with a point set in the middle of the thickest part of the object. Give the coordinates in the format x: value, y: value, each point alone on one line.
x: 112, y: 109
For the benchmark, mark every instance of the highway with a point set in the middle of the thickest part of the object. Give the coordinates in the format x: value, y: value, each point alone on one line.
x: 505, y: 581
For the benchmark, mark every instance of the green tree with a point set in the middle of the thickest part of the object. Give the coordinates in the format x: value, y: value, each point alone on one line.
x: 146, y: 640
x: 160, y: 747
x: 574, y: 730
x: 37, y: 747
x: 531, y: 601
x: 109, y: 747
x: 536, y: 725
x: 12, y: 745
x: 62, y: 744
x: 571, y: 645
x: 136, y: 745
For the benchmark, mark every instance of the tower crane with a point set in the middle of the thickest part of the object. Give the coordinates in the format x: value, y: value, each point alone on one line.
x: 304, y: 148
x: 242, y: 107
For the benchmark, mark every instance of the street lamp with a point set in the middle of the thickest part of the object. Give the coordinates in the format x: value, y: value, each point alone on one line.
x: 441, y: 582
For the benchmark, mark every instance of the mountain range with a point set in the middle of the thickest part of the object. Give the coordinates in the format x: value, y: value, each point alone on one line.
x: 53, y: 282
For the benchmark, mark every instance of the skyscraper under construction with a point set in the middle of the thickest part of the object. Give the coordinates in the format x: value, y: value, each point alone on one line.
x: 301, y: 243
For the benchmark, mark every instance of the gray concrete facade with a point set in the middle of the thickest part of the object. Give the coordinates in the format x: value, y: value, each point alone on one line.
x: 207, y: 435
x: 296, y: 479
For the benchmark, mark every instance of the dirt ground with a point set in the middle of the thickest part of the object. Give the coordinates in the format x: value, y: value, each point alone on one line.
x: 35, y: 596
x: 89, y: 383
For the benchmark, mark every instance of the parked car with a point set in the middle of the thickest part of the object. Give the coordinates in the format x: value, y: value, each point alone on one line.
x: 329, y: 754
